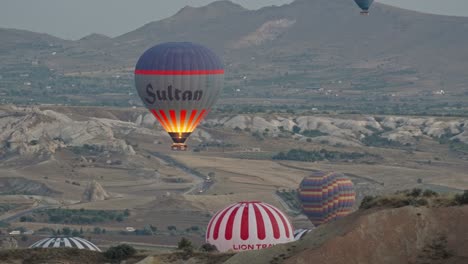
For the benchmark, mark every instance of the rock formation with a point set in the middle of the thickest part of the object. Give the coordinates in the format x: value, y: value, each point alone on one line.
x: 94, y: 192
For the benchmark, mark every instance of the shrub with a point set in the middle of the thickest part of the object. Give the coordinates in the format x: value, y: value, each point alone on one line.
x: 462, y: 198
x: 120, y: 252
x: 313, y: 133
x: 296, y: 129
x: 66, y: 231
x: 75, y: 233
x: 97, y: 230
x: 207, y: 247
x: 421, y: 202
x: 184, y: 244
x: 430, y: 193
x: 304, y: 155
x: 416, y: 192
x: 367, y: 202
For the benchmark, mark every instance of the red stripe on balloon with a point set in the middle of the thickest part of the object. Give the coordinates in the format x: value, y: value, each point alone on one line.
x: 261, y: 234
x: 245, y: 223
x: 218, y: 223
x: 192, y: 116
x: 163, y: 114
x: 174, y: 120
x: 183, y: 114
x: 164, y: 72
x: 230, y: 224
x: 285, y: 222
x: 155, y: 113
x: 274, y: 223
x: 210, y: 224
x: 200, y: 117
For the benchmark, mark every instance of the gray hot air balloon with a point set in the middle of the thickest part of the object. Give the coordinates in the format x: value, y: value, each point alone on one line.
x: 179, y: 82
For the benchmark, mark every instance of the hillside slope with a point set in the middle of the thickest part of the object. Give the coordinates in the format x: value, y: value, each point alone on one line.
x: 403, y: 235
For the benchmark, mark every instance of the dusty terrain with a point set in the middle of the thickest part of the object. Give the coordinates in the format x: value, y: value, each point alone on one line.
x: 403, y: 235
x: 117, y: 159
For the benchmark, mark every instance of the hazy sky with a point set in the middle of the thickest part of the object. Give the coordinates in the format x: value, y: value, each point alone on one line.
x: 73, y: 19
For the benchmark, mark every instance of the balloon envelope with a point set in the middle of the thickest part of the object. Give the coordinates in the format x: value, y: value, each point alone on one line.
x: 179, y: 82
x: 326, y: 196
x: 300, y: 233
x: 364, y: 4
x: 249, y: 226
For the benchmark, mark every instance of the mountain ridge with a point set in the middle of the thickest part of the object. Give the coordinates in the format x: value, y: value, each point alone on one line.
x: 392, y: 50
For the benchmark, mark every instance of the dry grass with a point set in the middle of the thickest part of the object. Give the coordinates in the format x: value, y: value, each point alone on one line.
x: 415, y: 197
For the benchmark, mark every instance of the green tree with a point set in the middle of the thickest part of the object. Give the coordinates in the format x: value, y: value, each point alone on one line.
x: 75, y: 233
x: 120, y: 252
x: 97, y: 230
x: 296, y: 129
x: 66, y: 231
x: 207, y: 247
x: 186, y: 246
x: 126, y: 213
x: 462, y: 198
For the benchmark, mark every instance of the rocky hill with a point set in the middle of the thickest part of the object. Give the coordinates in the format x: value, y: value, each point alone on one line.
x: 403, y: 235
x: 18, y: 185
x: 350, y: 131
x: 31, y: 131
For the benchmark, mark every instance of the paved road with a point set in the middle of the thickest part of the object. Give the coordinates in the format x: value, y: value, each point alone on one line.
x: 198, y: 188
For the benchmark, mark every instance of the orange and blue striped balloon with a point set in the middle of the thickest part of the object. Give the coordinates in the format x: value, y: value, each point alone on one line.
x: 326, y: 196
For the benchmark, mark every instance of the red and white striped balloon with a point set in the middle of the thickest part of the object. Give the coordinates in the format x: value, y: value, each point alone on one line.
x: 249, y: 226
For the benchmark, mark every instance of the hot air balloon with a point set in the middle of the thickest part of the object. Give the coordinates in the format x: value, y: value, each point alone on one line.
x: 179, y: 82
x: 364, y: 5
x: 300, y: 233
x: 65, y: 242
x: 326, y: 196
x: 249, y: 226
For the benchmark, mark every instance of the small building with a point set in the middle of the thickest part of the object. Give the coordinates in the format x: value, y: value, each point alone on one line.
x: 28, y: 232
